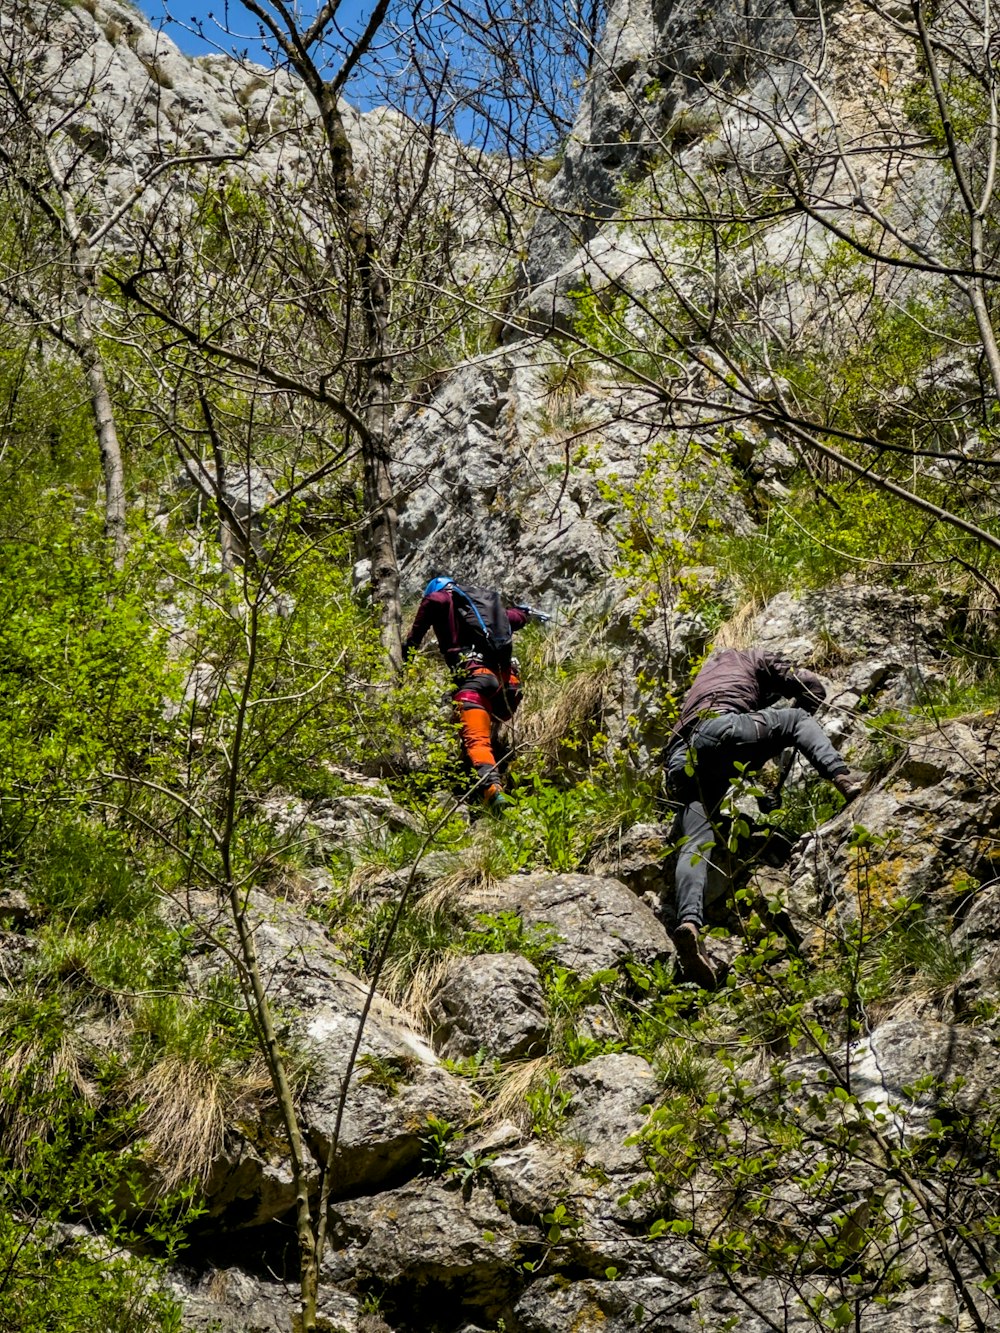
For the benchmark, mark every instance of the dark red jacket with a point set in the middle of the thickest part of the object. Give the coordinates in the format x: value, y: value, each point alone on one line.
x: 437, y: 612
x: 741, y: 680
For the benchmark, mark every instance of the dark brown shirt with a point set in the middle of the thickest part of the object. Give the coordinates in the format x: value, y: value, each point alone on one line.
x: 741, y: 680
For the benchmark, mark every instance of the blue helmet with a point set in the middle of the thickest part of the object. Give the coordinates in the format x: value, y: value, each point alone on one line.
x: 436, y: 585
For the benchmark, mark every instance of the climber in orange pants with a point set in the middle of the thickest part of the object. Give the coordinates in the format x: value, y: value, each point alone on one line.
x: 483, y: 699
x: 474, y: 628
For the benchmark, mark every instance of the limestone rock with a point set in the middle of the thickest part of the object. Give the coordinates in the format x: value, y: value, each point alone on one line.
x: 609, y: 1093
x: 610, y: 1306
x: 976, y: 939
x: 396, y: 1085
x: 428, y: 1237
x: 15, y: 909
x: 691, y: 1303
x: 891, y: 638
x: 229, y: 1300
x: 492, y: 495
x: 415, y: 879
x: 331, y: 824
x: 247, y: 493
x: 888, y: 1064
x: 646, y: 74
x: 530, y: 1176
x: 493, y: 1003
x: 637, y: 857
x: 599, y: 923
x: 933, y: 822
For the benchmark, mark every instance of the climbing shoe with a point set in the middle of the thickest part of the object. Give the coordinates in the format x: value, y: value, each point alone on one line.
x: 498, y: 803
x: 849, y: 784
x: 692, y: 957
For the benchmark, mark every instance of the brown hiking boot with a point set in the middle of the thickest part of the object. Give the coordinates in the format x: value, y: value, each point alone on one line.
x: 849, y: 785
x: 693, y: 959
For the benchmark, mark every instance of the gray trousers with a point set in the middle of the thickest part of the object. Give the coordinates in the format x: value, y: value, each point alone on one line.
x: 712, y: 750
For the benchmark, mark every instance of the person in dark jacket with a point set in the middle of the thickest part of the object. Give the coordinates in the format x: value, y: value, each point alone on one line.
x: 727, y: 719
x: 487, y: 692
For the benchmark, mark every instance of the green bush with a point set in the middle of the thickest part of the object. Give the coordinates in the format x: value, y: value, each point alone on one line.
x: 78, y: 1169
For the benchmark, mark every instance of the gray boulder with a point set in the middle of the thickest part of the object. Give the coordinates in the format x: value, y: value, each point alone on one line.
x: 397, y: 1081
x: 976, y: 941
x: 529, y: 1177
x: 891, y: 640
x: 429, y: 1235
x: 229, y: 1300
x: 636, y: 858
x: 492, y: 1003
x: 608, y: 1096
x: 885, y: 1069
x: 616, y: 1305
x: 932, y: 823
x: 693, y: 1302
x: 599, y: 922
x: 353, y: 821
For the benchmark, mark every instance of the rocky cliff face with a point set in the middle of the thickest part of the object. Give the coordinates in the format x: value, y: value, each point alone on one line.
x: 468, y: 1224
x: 147, y: 126
x: 547, y: 1133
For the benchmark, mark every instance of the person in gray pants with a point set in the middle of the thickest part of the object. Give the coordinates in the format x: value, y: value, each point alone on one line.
x: 728, y: 725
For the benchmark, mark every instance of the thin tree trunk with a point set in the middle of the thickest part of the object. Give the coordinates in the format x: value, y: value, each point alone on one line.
x: 309, y: 1259
x: 379, y: 494
x: 97, y: 384
x: 107, y: 433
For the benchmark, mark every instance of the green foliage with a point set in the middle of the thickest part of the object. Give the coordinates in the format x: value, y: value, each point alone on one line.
x: 636, y: 342
x: 972, y: 687
x: 78, y: 1168
x: 83, y: 869
x: 567, y: 375
x: 505, y: 932
x: 108, y: 956
x: 48, y: 432
x: 547, y: 1101
x: 560, y: 1222
x: 308, y: 652
x: 897, y: 947
x: 555, y: 822
x: 387, y: 1072
x: 660, y: 520
x: 82, y: 665
x: 471, y: 1168
x: 436, y: 1139
x: 781, y: 1192
x: 418, y: 937
x: 967, y: 102
x: 810, y: 541
x: 213, y: 1029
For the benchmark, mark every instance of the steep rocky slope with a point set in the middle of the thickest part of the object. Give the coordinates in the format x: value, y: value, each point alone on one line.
x: 532, y: 1126
x: 542, y: 1221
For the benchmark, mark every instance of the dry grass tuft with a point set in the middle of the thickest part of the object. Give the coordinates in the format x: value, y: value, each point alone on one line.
x: 365, y: 875
x: 482, y: 866
x: 737, y: 632
x: 506, y: 1092
x: 559, y: 709
x: 187, y: 1105
x: 43, y: 1071
x: 413, y: 988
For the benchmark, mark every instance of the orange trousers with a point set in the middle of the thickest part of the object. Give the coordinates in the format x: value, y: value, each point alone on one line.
x: 476, y: 732
x: 483, y: 698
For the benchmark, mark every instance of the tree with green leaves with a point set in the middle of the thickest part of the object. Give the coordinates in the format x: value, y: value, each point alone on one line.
x: 810, y: 230
x: 63, y: 161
